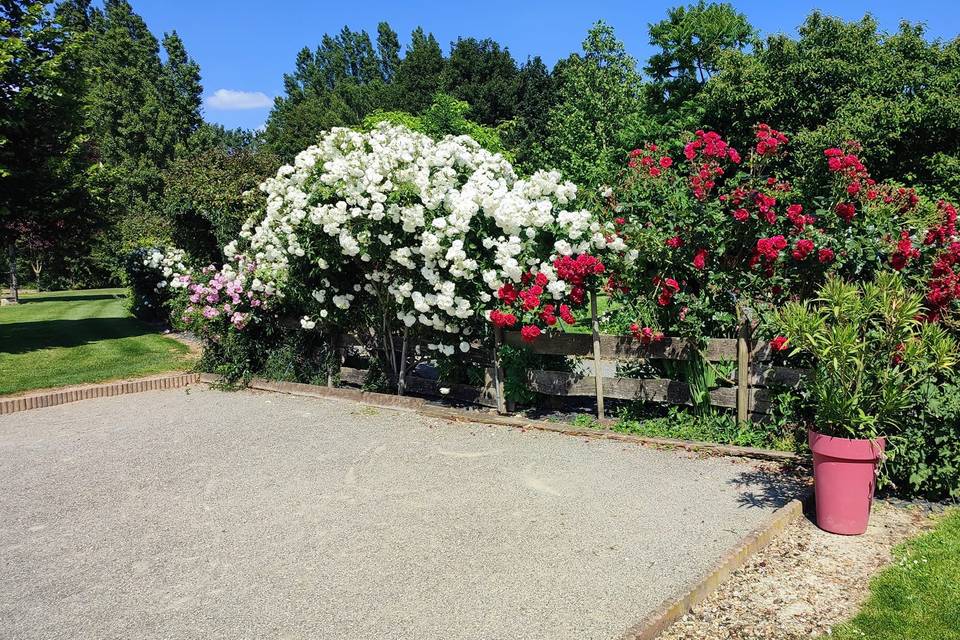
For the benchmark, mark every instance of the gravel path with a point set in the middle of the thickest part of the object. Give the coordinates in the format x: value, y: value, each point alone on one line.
x: 203, y: 514
x: 802, y: 585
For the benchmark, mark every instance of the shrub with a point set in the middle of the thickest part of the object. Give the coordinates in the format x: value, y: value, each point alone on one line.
x: 715, y: 232
x: 871, y: 348
x: 882, y: 368
x: 390, y: 232
x: 925, y: 457
x: 152, y: 275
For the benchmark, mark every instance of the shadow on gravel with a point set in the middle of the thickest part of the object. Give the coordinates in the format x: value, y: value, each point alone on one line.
x: 771, y: 487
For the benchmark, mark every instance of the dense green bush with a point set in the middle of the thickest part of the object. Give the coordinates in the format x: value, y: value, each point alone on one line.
x: 269, y: 350
x: 925, y: 457
x: 880, y: 369
x: 150, y: 274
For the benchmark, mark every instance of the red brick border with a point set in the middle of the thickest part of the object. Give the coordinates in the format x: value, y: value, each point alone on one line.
x: 54, y: 397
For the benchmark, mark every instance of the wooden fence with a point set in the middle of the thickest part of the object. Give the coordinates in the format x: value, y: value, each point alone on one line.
x: 749, y: 392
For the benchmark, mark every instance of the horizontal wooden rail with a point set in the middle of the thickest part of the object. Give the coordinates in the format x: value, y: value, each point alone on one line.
x: 484, y: 396
x: 625, y: 347
x: 561, y: 383
x: 754, y: 371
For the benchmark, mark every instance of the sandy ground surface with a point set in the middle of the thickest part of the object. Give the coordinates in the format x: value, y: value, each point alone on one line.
x: 205, y: 514
x: 804, y: 583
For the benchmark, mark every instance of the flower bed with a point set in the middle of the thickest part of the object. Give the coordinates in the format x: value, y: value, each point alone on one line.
x: 421, y: 247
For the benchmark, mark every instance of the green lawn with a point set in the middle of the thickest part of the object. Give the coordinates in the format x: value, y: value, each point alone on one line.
x: 53, y: 339
x: 918, y: 597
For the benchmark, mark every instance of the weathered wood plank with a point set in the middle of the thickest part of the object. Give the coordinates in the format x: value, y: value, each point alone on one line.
x: 613, y: 347
x: 743, y: 372
x: 564, y: 344
x: 761, y: 351
x: 626, y: 347
x: 352, y: 375
x: 561, y: 383
x: 464, y: 393
x: 597, y: 355
x: 788, y: 377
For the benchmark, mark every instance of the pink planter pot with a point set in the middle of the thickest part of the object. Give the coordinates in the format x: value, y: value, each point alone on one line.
x: 844, y: 473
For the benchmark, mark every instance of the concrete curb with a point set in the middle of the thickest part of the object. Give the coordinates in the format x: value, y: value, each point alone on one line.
x: 672, y: 610
x: 54, y: 397
x: 481, y: 417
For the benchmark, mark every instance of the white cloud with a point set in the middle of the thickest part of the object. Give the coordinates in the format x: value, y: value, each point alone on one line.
x: 230, y: 100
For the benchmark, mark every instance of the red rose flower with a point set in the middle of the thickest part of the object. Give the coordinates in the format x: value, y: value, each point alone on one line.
x: 779, y: 343
x: 700, y: 259
x: 846, y: 211
x: 530, y: 332
x: 802, y: 249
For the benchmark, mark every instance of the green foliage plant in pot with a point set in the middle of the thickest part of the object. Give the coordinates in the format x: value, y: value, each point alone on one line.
x: 870, y: 346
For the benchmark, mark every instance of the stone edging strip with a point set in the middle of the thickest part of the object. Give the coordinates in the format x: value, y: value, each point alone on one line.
x: 54, y: 397
x: 671, y: 610
x: 482, y: 417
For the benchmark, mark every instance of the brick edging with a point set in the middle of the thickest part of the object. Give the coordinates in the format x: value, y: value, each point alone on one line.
x: 458, y: 415
x: 56, y: 397
x: 671, y: 610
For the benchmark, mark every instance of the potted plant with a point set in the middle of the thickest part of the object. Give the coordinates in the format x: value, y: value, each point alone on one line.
x: 869, y: 347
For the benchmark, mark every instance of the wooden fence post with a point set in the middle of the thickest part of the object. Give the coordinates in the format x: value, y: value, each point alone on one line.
x: 402, y: 369
x: 597, y: 373
x: 335, y: 357
x: 498, y: 371
x: 743, y: 372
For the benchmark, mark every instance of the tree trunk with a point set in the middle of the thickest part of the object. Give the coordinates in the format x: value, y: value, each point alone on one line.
x: 14, y: 287
x: 37, y: 266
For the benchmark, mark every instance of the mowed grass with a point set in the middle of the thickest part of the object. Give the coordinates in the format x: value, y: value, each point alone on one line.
x: 52, y: 339
x: 918, y: 597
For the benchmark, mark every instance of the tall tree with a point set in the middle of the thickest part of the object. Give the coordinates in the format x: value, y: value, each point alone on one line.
x: 485, y: 76
x: 138, y: 110
x: 40, y: 134
x: 535, y: 97
x: 691, y: 41
x: 597, y: 99
x: 182, y: 87
x: 337, y: 84
x: 388, y: 51
x: 419, y: 76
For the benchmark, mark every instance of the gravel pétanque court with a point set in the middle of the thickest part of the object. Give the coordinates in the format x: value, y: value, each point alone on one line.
x: 207, y: 514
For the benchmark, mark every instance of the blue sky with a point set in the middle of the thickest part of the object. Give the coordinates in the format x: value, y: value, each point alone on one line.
x: 245, y: 47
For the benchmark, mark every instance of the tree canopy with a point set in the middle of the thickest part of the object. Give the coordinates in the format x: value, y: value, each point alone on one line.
x: 102, y: 132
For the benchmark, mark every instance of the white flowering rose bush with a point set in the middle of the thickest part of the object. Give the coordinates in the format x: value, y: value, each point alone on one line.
x: 154, y: 275
x: 392, y: 231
